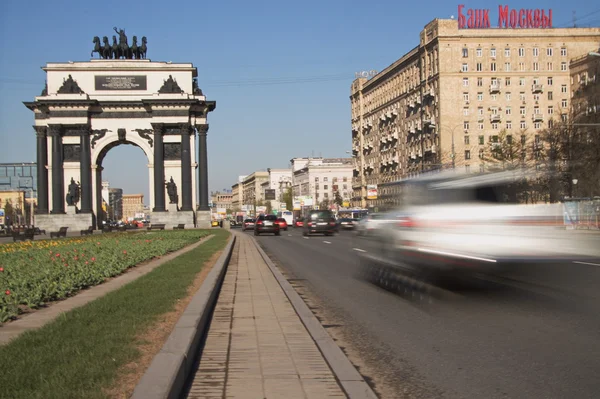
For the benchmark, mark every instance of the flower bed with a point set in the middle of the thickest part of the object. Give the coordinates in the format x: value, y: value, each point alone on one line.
x: 34, y: 273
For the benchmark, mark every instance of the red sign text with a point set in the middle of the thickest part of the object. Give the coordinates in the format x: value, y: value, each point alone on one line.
x: 507, y: 18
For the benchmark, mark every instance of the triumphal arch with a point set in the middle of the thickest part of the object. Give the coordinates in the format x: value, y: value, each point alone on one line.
x: 89, y: 107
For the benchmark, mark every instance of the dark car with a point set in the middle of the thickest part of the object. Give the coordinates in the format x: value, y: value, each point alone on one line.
x: 266, y: 224
x: 347, y: 223
x: 319, y: 221
x: 248, y: 224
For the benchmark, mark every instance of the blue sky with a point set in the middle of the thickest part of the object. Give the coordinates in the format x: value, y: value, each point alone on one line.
x: 279, y: 71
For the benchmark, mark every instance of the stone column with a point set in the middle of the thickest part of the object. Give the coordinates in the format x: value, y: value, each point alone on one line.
x: 100, y: 216
x: 85, y: 169
x: 186, y: 168
x: 159, y: 168
x: 58, y: 192
x: 202, y: 130
x: 42, y: 171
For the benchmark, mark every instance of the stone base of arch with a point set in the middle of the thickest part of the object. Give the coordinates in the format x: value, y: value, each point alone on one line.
x: 173, y: 218
x: 75, y: 223
x: 203, y: 219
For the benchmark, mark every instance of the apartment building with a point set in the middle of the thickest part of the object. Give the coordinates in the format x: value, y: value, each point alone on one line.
x: 441, y: 104
x: 251, y: 188
x: 279, y: 180
x: 321, y: 178
x: 133, y: 205
x: 222, y: 200
x: 237, y: 194
x: 585, y: 87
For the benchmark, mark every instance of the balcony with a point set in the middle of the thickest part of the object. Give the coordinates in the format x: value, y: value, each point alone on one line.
x: 537, y: 88
x: 495, y: 118
x: 494, y: 88
x: 537, y: 117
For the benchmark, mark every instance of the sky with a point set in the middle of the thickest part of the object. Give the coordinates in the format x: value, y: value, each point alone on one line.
x: 280, y: 71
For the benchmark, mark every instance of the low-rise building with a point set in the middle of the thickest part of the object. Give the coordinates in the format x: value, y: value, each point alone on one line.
x: 322, y: 180
x: 133, y: 204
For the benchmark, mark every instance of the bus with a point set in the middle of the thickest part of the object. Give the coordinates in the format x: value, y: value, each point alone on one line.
x: 288, y: 216
x: 354, y: 213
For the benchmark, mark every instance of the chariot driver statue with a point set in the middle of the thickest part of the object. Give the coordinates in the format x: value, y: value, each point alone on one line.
x: 123, y: 46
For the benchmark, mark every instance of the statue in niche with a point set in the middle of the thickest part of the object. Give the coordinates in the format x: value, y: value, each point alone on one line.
x: 172, y: 191
x: 73, y: 193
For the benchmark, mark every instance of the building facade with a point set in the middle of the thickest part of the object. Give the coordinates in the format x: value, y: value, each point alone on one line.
x: 133, y: 206
x: 321, y: 178
x: 252, y: 188
x: 115, y: 201
x: 20, y: 176
x: 455, y: 95
x: 222, y: 200
x: 279, y: 180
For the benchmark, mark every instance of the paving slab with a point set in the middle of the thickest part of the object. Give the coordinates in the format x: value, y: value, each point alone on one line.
x: 257, y: 345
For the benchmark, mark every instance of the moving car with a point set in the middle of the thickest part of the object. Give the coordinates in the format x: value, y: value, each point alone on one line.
x: 248, y: 224
x: 266, y: 224
x: 320, y: 222
x: 214, y: 223
x: 299, y: 222
x: 282, y: 224
x: 347, y: 223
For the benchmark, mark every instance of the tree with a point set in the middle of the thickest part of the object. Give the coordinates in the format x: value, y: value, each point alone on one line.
x: 269, y: 209
x: 337, y: 199
x: 288, y: 198
x: 9, y: 212
x: 324, y: 204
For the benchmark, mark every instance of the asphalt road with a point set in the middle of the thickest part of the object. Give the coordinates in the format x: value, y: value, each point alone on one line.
x: 533, y: 335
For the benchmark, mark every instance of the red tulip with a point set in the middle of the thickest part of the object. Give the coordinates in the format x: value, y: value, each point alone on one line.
x: 93, y: 259
x: 125, y: 252
x: 7, y: 292
x: 57, y: 255
x: 1, y: 269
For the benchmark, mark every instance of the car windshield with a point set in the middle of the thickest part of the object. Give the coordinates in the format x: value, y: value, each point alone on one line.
x: 248, y: 220
x: 270, y: 217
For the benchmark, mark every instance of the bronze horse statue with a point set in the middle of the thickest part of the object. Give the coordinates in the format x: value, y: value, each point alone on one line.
x: 143, y: 48
x: 97, y: 47
x: 134, y: 50
x: 115, y: 49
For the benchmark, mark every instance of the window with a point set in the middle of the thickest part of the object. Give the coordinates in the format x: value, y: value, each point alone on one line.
x: 481, y: 140
x: 345, y: 186
x: 316, y: 179
x: 480, y: 111
x: 481, y: 155
x: 492, y: 52
x: 325, y: 179
x: 563, y: 88
x: 466, y: 111
x: 466, y: 125
x: 549, y: 52
x: 536, y: 66
x: 508, y: 96
x: 316, y: 187
x: 521, y: 66
x: 549, y: 66
x: 563, y: 66
x: 507, y: 66
x: 537, y: 125
x: 479, y: 52
x: 521, y: 96
x: 523, y: 139
x: 479, y: 96
x: 521, y: 52
x: 550, y: 81
x: 509, y: 125
x: 325, y: 187
x: 564, y: 117
x: 465, y: 67
x: 509, y: 138
x: 467, y: 140
x: 522, y: 111
x: 480, y: 126
x: 563, y: 103
x: 465, y: 52
x: 507, y: 82
x: 508, y: 110
x: 326, y: 195
x: 507, y: 52
x: 521, y: 81
x: 493, y: 67
x: 467, y: 168
x: 345, y: 179
x: 465, y: 96
x: 536, y: 81
x: 536, y: 97
x: 495, y: 125
x: 479, y: 82
x: 550, y: 110
x: 551, y: 123
x: 536, y: 110
x: 467, y: 154
x: 523, y: 125
x: 494, y: 97
x: 536, y: 51
x: 465, y: 82
x: 479, y: 67
x: 550, y: 97
x: 563, y: 52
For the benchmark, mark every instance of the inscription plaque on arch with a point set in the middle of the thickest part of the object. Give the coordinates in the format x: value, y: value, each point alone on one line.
x: 120, y: 82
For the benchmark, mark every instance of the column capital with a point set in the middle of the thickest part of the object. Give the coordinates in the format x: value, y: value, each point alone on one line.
x: 185, y: 128
x: 40, y: 131
x: 159, y: 128
x: 55, y: 130
x: 86, y: 130
x: 202, y: 129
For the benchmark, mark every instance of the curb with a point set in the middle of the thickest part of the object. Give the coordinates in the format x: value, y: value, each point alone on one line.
x: 168, y: 372
x: 352, y: 382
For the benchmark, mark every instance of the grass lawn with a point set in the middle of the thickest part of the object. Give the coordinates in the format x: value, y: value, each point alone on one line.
x: 79, y: 354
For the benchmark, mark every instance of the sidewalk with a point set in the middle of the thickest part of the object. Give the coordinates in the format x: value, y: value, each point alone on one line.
x: 257, y: 346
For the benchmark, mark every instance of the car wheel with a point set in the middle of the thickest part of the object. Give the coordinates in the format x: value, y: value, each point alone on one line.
x: 278, y: 233
x: 304, y: 233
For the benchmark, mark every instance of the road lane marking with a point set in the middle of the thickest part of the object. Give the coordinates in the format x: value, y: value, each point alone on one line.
x: 289, y: 235
x: 327, y: 242
x: 587, y: 263
x: 306, y: 238
x: 359, y: 250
